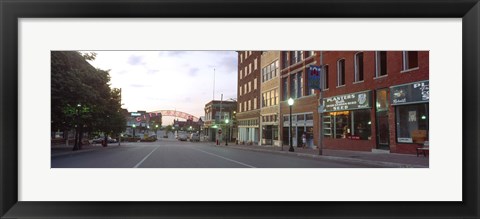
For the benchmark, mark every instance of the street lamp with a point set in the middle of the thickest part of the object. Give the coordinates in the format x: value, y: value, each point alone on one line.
x: 290, y: 104
x: 226, y: 134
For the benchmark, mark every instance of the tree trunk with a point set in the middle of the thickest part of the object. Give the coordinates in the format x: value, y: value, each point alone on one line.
x: 75, y: 146
x: 80, y: 137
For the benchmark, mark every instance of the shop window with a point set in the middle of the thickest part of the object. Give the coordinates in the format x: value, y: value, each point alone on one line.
x: 341, y: 72
x: 410, y: 60
x: 359, y: 67
x: 275, y: 132
x: 354, y: 125
x: 380, y: 63
x: 412, y: 123
x: 361, y: 125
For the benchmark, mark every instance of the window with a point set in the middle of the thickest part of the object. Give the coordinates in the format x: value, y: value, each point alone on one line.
x: 285, y: 88
x: 354, y: 124
x: 359, y: 67
x: 325, y: 78
x: 264, y: 98
x: 255, y: 83
x: 295, y: 57
x: 245, y: 106
x: 307, y: 54
x: 255, y: 103
x: 241, y: 74
x: 299, y: 85
x: 255, y: 64
x: 276, y: 97
x: 240, y: 93
x: 250, y: 68
x: 309, y: 117
x: 380, y: 63
x: 241, y: 57
x: 412, y: 123
x: 245, y: 88
x: 410, y: 60
x: 245, y: 71
x: 341, y: 72
x: 249, y: 86
x: 284, y: 59
x: 249, y: 104
x: 293, y: 86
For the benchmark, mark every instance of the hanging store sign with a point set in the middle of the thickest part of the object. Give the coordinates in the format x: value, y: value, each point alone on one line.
x: 417, y: 92
x: 314, y: 73
x: 359, y: 100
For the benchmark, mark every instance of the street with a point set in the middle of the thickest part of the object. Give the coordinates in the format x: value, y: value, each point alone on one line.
x: 170, y: 153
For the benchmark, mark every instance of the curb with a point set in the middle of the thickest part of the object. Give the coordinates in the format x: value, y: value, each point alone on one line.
x: 81, y: 151
x: 355, y: 160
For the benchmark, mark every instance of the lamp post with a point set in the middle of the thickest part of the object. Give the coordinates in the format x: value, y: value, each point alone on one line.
x: 226, y: 134
x: 290, y: 104
x: 133, y: 126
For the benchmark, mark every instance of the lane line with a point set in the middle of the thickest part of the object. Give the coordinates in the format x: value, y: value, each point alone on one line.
x: 238, y: 162
x: 148, y: 155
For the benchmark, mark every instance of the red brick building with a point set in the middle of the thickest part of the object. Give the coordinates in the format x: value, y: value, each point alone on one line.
x: 248, y: 96
x: 294, y: 83
x: 375, y: 100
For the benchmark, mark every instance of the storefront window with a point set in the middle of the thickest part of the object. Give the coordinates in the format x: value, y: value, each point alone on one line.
x: 412, y: 123
x: 275, y: 132
x: 342, y: 124
x: 354, y: 124
x: 361, y: 124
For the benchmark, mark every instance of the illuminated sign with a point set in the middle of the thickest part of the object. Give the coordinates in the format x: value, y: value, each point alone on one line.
x: 136, y: 114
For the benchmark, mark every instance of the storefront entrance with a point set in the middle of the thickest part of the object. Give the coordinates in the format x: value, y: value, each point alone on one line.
x: 383, y: 133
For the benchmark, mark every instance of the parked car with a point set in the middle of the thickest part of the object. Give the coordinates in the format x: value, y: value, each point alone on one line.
x: 182, y: 137
x: 112, y: 140
x: 194, y: 137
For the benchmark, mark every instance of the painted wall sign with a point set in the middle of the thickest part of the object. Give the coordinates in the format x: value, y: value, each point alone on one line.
x: 359, y: 100
x: 416, y: 92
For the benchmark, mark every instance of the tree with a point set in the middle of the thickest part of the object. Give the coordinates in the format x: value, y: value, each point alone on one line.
x: 81, y: 96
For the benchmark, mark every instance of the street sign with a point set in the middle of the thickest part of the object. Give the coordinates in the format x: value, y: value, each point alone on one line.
x: 219, y: 131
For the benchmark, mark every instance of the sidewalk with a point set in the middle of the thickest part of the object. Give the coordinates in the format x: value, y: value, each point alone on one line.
x: 376, y: 158
x: 62, y: 149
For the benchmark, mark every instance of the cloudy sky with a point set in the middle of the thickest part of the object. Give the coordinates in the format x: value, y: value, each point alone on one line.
x: 169, y: 80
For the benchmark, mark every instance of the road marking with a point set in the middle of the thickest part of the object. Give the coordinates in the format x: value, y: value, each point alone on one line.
x: 238, y: 162
x: 148, y: 155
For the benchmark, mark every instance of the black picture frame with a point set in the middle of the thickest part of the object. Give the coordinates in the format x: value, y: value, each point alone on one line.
x: 12, y: 10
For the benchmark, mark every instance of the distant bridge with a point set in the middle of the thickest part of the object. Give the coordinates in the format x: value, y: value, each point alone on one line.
x: 173, y: 113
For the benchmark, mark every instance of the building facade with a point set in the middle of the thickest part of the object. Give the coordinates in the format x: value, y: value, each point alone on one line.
x: 375, y: 100
x: 270, y: 98
x: 294, y: 84
x: 216, y: 114
x: 248, y: 96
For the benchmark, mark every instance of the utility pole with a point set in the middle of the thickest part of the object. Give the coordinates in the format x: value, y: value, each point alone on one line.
x: 220, y: 119
x: 213, y: 98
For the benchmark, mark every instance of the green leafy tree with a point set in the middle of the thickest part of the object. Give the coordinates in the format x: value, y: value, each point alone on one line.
x: 81, y: 96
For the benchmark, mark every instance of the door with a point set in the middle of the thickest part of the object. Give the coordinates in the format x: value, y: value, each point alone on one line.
x: 383, y: 132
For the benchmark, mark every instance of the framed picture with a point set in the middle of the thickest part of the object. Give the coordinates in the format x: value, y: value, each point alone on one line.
x: 33, y: 32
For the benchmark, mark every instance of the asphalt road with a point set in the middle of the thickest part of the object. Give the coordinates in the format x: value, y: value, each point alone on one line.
x: 176, y: 154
